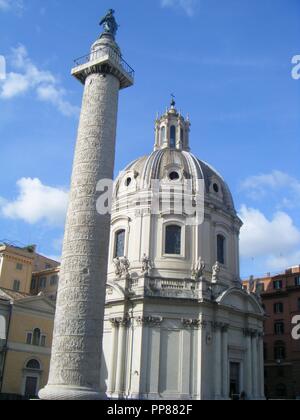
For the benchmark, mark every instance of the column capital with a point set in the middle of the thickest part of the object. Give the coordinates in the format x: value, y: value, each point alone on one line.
x: 150, y: 321
x: 250, y: 332
x: 194, y: 323
x: 120, y: 321
x: 220, y: 326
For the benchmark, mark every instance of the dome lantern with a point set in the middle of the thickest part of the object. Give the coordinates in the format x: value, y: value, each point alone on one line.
x: 172, y: 130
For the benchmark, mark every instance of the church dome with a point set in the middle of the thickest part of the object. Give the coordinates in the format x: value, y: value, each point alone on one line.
x: 174, y: 209
x: 175, y: 165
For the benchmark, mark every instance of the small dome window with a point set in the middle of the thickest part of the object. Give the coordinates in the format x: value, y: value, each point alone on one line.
x: 216, y: 188
x: 128, y: 182
x: 174, y: 176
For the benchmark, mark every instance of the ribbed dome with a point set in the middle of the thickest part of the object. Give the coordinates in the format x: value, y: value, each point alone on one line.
x: 161, y: 163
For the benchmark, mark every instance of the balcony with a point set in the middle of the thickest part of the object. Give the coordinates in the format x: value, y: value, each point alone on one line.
x: 104, y: 59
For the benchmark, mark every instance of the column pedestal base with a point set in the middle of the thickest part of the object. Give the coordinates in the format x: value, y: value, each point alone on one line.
x: 60, y: 392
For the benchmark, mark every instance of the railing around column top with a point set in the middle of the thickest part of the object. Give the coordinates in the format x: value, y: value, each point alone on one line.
x: 106, y: 51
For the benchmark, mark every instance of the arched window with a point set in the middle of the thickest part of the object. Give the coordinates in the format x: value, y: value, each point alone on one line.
x: 279, y: 350
x: 221, y: 249
x: 33, y: 364
x: 2, y: 328
x: 173, y: 240
x: 181, y: 135
x: 120, y: 244
x: 162, y: 134
x: 173, y: 136
x: 36, y: 337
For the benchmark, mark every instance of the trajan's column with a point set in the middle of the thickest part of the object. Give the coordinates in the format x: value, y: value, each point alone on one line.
x: 78, y: 331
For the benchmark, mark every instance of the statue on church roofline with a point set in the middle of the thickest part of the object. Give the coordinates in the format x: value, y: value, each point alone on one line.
x: 109, y: 23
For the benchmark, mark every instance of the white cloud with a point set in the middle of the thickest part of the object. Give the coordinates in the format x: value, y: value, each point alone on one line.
x: 188, y: 6
x: 261, y: 236
x: 5, y: 4
x: 56, y: 96
x: 276, y: 240
x: 28, y: 77
x: 282, y: 262
x: 257, y: 187
x: 11, y: 5
x: 36, y: 202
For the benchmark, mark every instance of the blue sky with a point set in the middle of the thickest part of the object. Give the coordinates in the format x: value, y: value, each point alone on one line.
x: 227, y: 61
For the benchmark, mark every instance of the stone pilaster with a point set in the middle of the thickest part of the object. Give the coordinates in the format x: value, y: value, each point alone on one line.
x: 249, y: 373
x: 225, y: 362
x: 218, y: 360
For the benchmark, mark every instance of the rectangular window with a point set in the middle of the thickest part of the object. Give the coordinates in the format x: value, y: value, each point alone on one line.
x: 19, y: 267
x: 278, y: 284
x: 297, y: 281
x: 120, y: 243
x: 279, y: 328
x: 33, y: 284
x: 235, y: 380
x: 278, y: 308
x: 43, y: 282
x: 53, y: 281
x: 173, y: 240
x: 43, y: 341
x: 29, y: 338
x: 16, y: 286
x: 221, y: 249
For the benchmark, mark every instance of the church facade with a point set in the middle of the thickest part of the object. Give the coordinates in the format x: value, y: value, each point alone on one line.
x: 178, y: 324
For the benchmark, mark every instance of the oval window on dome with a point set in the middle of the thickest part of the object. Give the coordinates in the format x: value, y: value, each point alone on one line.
x: 216, y: 188
x: 174, y: 176
x: 128, y: 182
